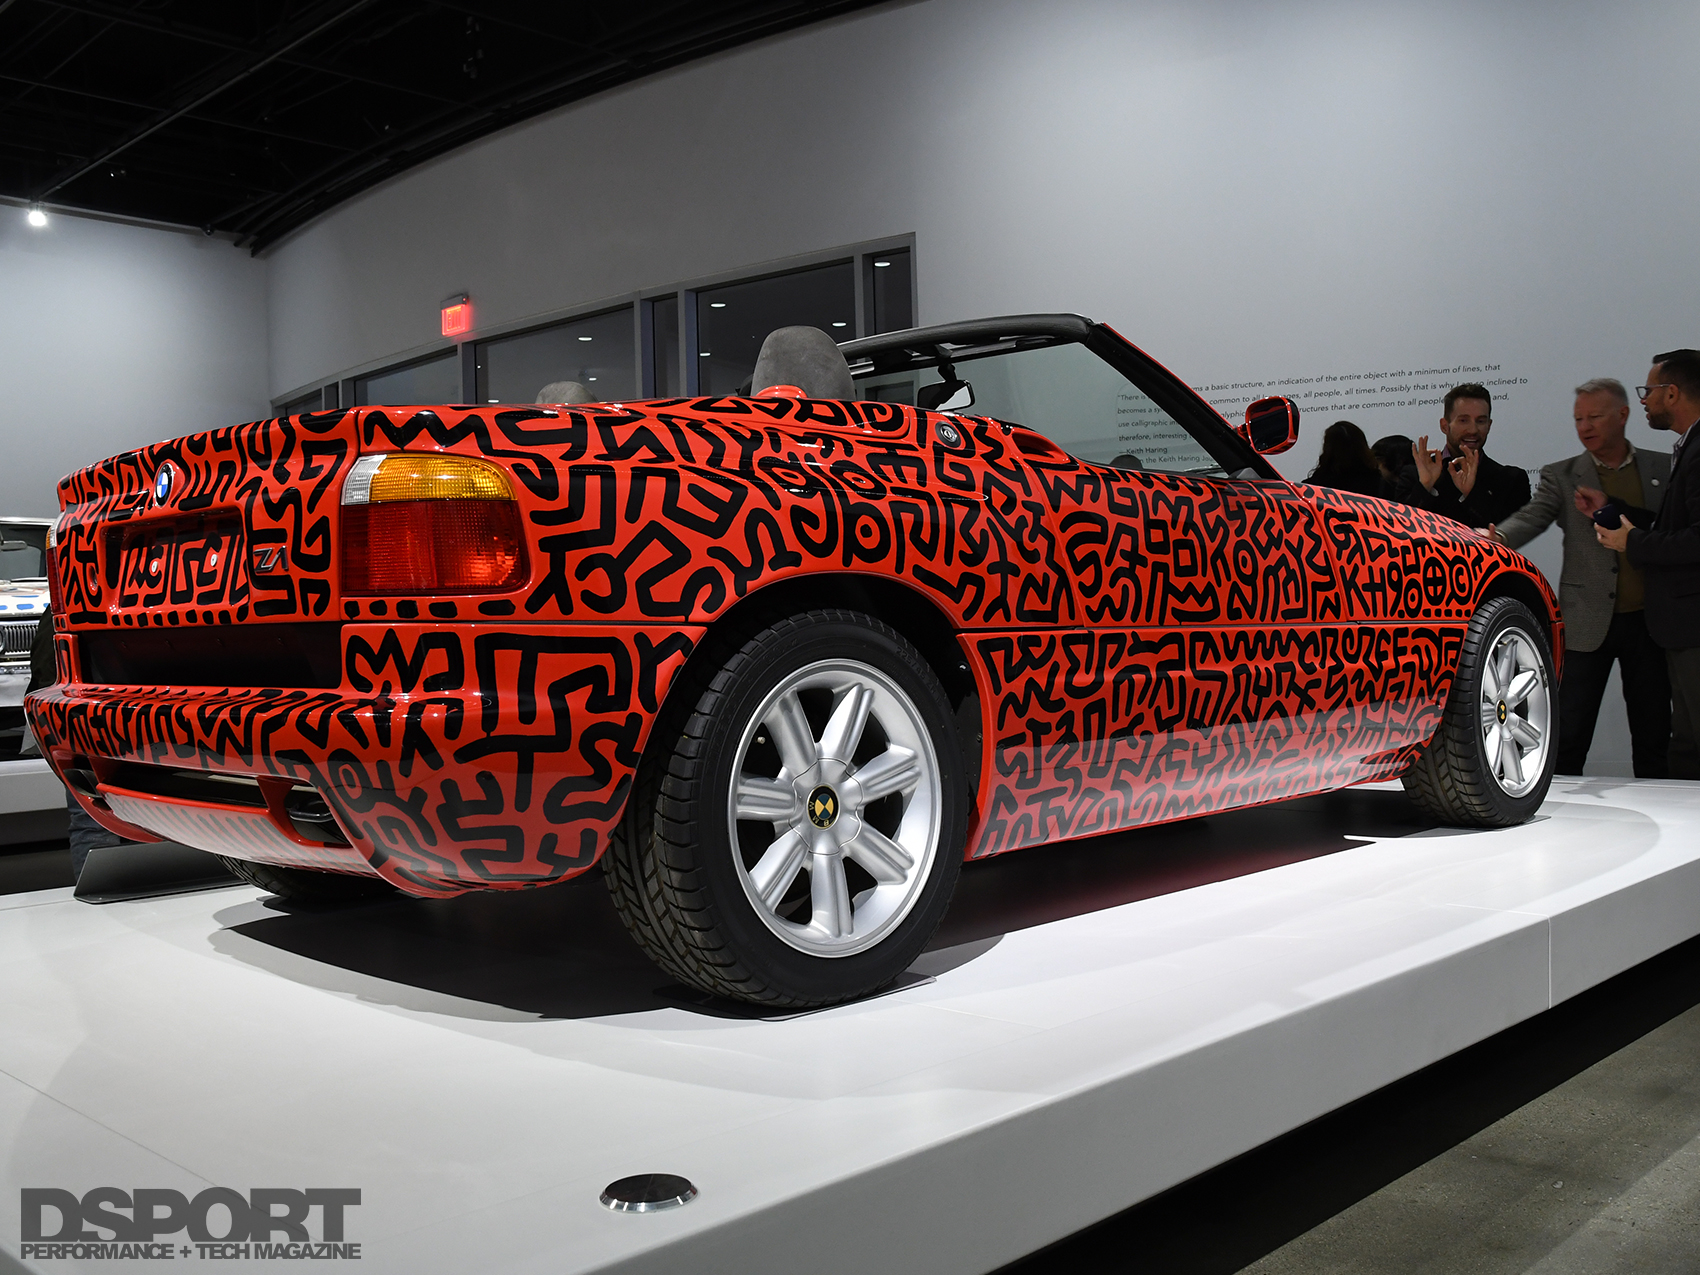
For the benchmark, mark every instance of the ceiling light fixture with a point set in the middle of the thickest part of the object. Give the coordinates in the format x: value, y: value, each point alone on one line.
x: 716, y: 305
x: 36, y: 217
x: 702, y: 354
x: 587, y: 338
x: 882, y: 263
x: 840, y: 325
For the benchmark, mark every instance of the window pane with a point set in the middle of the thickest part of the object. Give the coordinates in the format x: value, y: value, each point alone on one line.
x: 595, y: 352
x: 436, y: 380
x: 733, y: 320
x: 891, y: 292
x: 1071, y: 396
x: 664, y: 313
x: 23, y: 552
x: 305, y: 403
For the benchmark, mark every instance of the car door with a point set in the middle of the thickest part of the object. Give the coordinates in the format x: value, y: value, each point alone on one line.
x: 1197, y: 668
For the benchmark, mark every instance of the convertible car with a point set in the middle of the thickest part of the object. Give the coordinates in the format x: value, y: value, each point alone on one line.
x: 778, y: 662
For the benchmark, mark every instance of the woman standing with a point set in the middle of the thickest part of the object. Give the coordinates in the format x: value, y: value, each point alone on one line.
x: 1346, y: 462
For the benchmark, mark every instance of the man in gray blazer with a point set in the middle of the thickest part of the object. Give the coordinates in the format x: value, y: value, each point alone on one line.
x: 1602, y: 593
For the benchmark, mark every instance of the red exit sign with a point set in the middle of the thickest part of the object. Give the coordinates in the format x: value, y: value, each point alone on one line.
x: 457, y: 315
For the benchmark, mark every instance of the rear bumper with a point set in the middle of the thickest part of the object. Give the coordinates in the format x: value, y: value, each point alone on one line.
x: 451, y: 758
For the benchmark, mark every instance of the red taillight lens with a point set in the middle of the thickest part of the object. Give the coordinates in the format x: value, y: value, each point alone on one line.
x: 53, y: 594
x: 432, y: 546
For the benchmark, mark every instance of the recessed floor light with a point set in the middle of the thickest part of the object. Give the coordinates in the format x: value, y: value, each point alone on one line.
x: 882, y: 263
x: 587, y: 338
x: 648, y: 1193
x: 702, y: 354
x: 716, y: 305
x: 840, y: 325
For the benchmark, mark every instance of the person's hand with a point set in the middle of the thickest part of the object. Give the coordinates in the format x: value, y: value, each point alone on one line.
x: 1428, y: 463
x: 1590, y: 500
x: 1614, y: 539
x: 1490, y: 532
x: 1463, y: 469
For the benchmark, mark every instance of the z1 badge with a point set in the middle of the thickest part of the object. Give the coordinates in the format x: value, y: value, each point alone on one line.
x: 269, y: 558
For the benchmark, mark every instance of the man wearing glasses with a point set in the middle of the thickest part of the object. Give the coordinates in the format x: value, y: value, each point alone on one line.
x: 1666, y: 546
x: 1603, y: 594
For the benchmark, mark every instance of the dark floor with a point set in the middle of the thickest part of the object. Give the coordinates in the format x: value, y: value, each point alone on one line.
x: 1569, y: 1144
x: 1601, y: 1173
x: 36, y: 865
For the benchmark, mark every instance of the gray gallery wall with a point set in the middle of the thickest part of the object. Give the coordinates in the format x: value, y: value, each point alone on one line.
x: 1257, y: 191
x: 1355, y: 203
x: 113, y: 336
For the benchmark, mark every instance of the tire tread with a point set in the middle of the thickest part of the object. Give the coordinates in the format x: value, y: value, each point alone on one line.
x: 1446, y: 780
x: 649, y: 867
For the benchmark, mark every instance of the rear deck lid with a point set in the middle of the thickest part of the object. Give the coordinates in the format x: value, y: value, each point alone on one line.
x: 231, y: 526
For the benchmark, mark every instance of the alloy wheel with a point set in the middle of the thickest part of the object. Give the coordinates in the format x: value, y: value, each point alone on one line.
x: 834, y: 807
x: 1516, y: 713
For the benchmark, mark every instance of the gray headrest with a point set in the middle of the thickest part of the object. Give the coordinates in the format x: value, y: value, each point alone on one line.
x: 806, y: 358
x: 564, y: 392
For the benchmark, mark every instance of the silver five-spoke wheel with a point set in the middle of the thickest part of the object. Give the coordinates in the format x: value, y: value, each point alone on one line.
x: 834, y: 807
x: 1516, y: 713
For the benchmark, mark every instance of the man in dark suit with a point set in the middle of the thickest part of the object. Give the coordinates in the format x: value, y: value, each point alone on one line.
x: 1666, y: 548
x: 1603, y: 594
x: 1460, y: 481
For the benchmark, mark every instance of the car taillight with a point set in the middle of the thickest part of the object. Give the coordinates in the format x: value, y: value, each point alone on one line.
x: 429, y: 523
x: 53, y: 571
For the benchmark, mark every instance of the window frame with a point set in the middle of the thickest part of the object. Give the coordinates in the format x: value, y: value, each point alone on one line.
x: 469, y: 374
x: 340, y: 390
x: 352, y: 393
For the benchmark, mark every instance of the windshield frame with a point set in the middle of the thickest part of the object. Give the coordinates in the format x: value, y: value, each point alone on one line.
x: 961, y: 344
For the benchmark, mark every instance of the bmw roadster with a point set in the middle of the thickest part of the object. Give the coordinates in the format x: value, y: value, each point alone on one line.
x: 779, y: 663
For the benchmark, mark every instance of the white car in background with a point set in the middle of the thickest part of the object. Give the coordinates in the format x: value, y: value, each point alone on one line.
x: 23, y: 598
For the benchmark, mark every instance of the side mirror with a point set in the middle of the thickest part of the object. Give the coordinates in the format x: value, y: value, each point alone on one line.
x: 946, y: 396
x: 1271, y: 425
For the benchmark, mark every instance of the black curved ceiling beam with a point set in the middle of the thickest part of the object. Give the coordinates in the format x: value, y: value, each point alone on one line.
x: 255, y: 118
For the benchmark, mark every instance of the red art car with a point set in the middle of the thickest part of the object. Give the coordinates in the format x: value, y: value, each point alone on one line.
x: 779, y: 662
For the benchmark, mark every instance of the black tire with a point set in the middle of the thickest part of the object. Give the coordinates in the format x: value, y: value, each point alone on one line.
x: 303, y: 885
x: 1455, y: 780
x: 682, y: 872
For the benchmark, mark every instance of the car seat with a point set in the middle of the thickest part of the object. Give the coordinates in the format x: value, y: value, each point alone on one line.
x: 806, y: 358
x: 564, y: 392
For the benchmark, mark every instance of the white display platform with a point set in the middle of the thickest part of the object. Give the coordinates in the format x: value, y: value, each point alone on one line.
x: 28, y: 784
x: 481, y: 1068
x: 32, y: 802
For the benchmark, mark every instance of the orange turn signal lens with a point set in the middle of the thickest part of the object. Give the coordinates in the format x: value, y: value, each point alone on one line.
x: 424, y: 476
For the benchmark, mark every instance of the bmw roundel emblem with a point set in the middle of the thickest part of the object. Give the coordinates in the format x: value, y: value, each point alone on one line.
x: 162, y: 483
x: 823, y: 807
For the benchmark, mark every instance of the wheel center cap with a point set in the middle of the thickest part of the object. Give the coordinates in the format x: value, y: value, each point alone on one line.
x: 1503, y: 714
x: 823, y: 807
